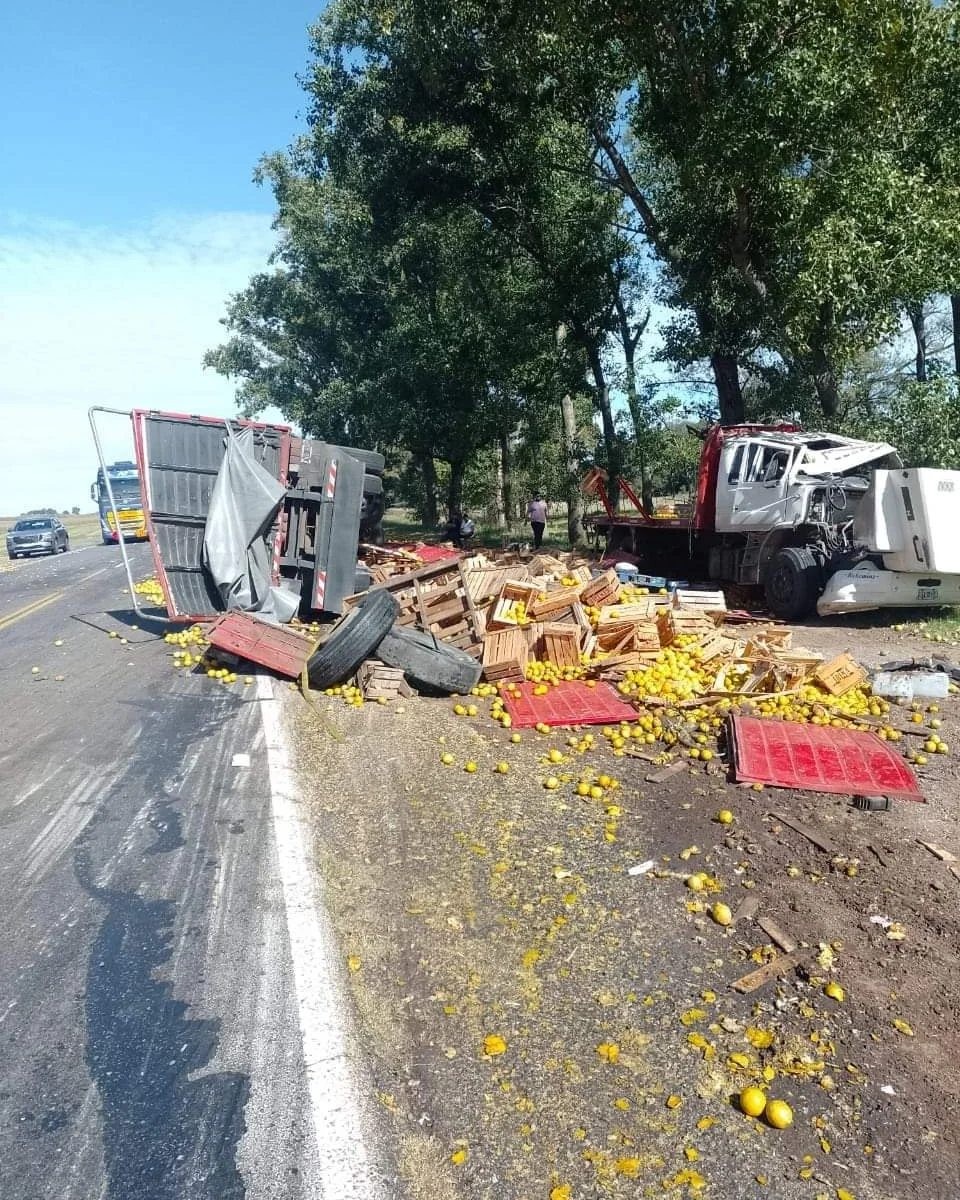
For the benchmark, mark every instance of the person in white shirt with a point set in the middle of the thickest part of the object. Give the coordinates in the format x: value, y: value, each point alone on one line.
x: 537, y: 516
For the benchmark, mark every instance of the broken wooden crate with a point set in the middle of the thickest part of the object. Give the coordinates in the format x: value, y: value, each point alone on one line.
x: 377, y: 681
x: 436, y: 598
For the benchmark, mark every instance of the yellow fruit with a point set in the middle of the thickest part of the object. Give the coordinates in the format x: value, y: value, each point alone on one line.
x: 779, y: 1114
x: 514, y: 737
x: 721, y: 914
x: 494, y: 1044
x: 470, y: 767
x: 447, y: 759
x: 551, y: 783
x: 502, y: 768
x: 583, y: 789
x: 752, y: 1101
x: 834, y: 991
x: 725, y: 816
x: 695, y: 882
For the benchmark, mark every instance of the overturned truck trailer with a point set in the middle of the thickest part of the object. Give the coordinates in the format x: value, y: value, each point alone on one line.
x: 242, y: 514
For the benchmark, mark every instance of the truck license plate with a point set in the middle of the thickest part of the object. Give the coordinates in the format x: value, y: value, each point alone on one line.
x: 928, y: 593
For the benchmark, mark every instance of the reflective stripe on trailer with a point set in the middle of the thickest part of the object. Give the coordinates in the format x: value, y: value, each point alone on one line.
x: 319, y: 588
x: 331, y: 485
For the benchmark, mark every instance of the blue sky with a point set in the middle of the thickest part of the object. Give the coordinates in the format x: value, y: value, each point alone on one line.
x: 130, y: 132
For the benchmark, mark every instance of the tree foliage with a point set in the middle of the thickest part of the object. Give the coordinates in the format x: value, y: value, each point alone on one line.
x: 487, y: 195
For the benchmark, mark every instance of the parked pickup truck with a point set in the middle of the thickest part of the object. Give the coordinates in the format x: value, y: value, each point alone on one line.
x: 819, y: 521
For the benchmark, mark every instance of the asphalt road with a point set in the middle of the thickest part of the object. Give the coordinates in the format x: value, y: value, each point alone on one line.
x: 148, y: 1020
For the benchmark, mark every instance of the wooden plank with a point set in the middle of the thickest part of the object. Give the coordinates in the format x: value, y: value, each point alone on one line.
x: 821, y: 842
x: 675, y: 768
x: 777, y: 935
x: 938, y: 851
x: 777, y: 967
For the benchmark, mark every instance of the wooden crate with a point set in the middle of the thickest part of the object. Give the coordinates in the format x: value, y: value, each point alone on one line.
x: 605, y: 589
x: 548, y: 565
x: 486, y: 581
x: 505, y: 655
x: 560, y: 644
x: 435, y: 597
x: 559, y: 600
x: 446, y: 609
x: 513, y: 591
x: 717, y: 645
x: 377, y: 681
x: 840, y: 675
x: 702, y: 601
x: 676, y: 622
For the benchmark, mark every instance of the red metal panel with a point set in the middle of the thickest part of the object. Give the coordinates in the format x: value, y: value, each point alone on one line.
x: 282, y: 650
x: 818, y: 758
x: 568, y: 703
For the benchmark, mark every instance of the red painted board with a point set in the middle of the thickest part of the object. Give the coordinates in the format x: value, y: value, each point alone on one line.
x: 282, y: 650
x: 568, y: 703
x: 818, y: 758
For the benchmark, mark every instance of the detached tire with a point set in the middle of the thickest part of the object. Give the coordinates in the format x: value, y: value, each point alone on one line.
x: 427, y: 663
x: 354, y: 638
x: 792, y: 583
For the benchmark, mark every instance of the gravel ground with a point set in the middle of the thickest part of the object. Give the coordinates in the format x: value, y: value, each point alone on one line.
x: 473, y: 907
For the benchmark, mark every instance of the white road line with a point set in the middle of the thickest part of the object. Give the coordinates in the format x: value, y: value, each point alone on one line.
x: 345, y: 1165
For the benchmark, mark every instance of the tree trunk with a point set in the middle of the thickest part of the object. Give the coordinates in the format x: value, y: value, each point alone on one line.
x: 955, y: 311
x: 458, y: 469
x: 499, y: 513
x: 506, y: 469
x: 726, y: 372
x: 431, y: 504
x: 572, y: 471
x: 918, y: 321
x: 601, y: 396
x: 825, y: 382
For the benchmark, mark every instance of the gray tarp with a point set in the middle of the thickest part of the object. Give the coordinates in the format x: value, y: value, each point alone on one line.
x: 243, y: 507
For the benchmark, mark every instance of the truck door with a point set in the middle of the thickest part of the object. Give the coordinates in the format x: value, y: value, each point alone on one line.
x: 752, y: 485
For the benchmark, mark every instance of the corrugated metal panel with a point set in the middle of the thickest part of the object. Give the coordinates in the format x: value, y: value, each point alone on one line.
x: 179, y: 459
x: 818, y: 758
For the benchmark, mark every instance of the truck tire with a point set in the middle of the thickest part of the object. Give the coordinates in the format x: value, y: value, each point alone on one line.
x: 792, y: 583
x: 429, y: 664
x: 354, y: 638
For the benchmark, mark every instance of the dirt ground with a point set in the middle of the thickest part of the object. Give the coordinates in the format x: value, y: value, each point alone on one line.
x: 544, y: 1025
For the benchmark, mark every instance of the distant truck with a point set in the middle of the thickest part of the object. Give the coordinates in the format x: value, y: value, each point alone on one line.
x: 124, y: 479
x: 821, y: 522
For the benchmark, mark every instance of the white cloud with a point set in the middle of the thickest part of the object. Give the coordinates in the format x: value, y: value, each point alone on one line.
x: 121, y: 319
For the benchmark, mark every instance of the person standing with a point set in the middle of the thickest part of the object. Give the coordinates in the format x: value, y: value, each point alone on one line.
x: 537, y: 516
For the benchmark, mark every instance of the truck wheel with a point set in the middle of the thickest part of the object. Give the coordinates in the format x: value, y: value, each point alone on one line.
x: 353, y: 639
x: 428, y: 663
x: 792, y: 583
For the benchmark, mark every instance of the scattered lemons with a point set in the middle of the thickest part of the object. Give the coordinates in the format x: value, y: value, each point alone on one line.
x: 725, y: 816
x: 834, y: 991
x: 752, y: 1101
x: 721, y: 914
x: 779, y: 1114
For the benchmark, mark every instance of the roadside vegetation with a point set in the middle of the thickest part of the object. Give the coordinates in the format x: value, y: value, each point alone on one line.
x: 520, y: 240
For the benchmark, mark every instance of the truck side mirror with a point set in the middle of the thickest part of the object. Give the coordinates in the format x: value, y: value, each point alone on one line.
x: 93, y: 491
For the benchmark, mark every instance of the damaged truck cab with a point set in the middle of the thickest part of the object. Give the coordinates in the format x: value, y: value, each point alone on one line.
x: 818, y: 520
